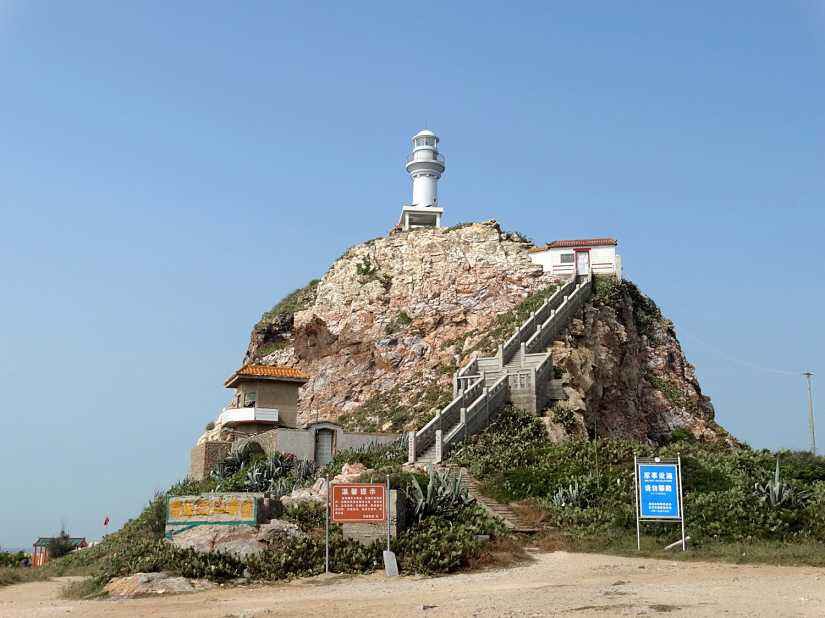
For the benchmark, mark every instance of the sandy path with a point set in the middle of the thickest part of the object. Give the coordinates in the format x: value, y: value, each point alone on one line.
x: 551, y: 584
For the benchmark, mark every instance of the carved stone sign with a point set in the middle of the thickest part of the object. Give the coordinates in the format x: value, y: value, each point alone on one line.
x: 187, y: 511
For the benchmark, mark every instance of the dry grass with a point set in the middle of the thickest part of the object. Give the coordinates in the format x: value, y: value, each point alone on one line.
x: 19, y: 575
x: 780, y: 553
x: 530, y: 514
x: 86, y: 588
x: 500, y: 552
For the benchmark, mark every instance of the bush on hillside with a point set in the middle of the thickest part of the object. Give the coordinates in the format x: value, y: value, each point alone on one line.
x: 12, y: 559
x: 587, y: 487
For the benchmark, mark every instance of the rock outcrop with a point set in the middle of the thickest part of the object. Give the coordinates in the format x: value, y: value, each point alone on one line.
x: 383, y: 330
x: 153, y: 584
x: 387, y: 323
x: 625, y: 373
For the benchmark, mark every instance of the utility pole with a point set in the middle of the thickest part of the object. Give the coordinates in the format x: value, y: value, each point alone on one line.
x: 808, y: 375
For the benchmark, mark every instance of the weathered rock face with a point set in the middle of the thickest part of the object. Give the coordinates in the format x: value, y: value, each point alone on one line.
x: 382, y: 332
x: 386, y: 317
x: 625, y: 372
x: 239, y: 541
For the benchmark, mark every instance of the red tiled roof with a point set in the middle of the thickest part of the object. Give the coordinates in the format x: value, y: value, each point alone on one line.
x: 267, y: 371
x: 582, y: 242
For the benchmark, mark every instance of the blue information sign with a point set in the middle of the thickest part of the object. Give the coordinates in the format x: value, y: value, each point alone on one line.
x: 659, y: 491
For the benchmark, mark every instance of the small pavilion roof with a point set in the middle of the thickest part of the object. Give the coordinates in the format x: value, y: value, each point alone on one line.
x: 44, y: 541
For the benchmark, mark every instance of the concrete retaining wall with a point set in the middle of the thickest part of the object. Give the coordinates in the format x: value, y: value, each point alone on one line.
x: 367, y: 533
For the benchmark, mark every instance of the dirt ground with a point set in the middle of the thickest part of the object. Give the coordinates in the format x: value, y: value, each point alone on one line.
x: 550, y: 584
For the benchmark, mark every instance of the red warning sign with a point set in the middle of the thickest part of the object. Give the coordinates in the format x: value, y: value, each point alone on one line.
x: 359, y: 503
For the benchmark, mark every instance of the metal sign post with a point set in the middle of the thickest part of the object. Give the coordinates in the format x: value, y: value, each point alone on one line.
x: 388, y: 513
x: 658, y: 493
x: 390, y: 562
x: 326, y: 530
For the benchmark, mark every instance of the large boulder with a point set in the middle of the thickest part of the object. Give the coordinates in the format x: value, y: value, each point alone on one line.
x: 350, y: 473
x: 279, y: 529
x: 317, y: 494
x: 147, y: 584
x: 239, y: 541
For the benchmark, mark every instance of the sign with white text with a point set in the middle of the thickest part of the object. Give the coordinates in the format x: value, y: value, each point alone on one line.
x: 359, y: 503
x: 659, y: 491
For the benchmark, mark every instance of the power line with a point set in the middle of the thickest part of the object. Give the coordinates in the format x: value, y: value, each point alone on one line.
x: 740, y: 361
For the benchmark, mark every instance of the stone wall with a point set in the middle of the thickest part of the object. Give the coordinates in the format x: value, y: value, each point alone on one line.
x: 203, y: 457
x: 301, y: 442
x: 357, y: 440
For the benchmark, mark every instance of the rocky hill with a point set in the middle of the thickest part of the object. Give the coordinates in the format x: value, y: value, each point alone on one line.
x: 384, y: 329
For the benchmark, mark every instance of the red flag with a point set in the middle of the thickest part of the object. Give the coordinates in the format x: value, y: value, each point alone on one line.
x: 106, y: 521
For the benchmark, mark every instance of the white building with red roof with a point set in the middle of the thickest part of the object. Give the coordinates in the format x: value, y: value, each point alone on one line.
x: 569, y: 258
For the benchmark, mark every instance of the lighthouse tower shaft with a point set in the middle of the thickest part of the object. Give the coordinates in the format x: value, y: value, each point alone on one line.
x: 425, y: 166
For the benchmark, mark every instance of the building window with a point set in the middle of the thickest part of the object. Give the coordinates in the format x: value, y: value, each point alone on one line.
x: 249, y: 399
x: 567, y: 258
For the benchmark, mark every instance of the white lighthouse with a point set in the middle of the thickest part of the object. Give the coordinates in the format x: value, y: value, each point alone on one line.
x: 425, y: 166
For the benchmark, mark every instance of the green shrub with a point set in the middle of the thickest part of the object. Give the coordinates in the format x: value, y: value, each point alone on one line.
x: 442, y: 545
x: 586, y: 488
x: 564, y: 417
x: 508, y: 443
x: 374, y: 455
x: 308, y: 515
x: 11, y: 559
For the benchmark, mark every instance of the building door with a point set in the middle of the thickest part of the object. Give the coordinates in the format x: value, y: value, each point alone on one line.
x: 582, y: 262
x: 323, y: 447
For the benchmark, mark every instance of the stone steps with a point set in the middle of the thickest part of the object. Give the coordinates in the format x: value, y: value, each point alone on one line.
x: 504, y: 512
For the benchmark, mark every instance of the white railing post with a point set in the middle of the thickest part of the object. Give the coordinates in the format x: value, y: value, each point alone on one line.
x: 455, y: 385
x: 411, y: 448
x: 439, y: 445
x: 486, y: 402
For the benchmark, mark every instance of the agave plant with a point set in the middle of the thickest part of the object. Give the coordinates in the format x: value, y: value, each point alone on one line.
x: 778, y: 492
x: 304, y: 470
x: 445, y: 495
x: 567, y: 496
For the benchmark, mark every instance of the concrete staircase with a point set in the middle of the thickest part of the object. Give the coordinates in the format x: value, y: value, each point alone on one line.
x: 521, y: 373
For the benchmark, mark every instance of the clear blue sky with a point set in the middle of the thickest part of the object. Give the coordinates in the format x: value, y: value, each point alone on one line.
x: 167, y: 173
